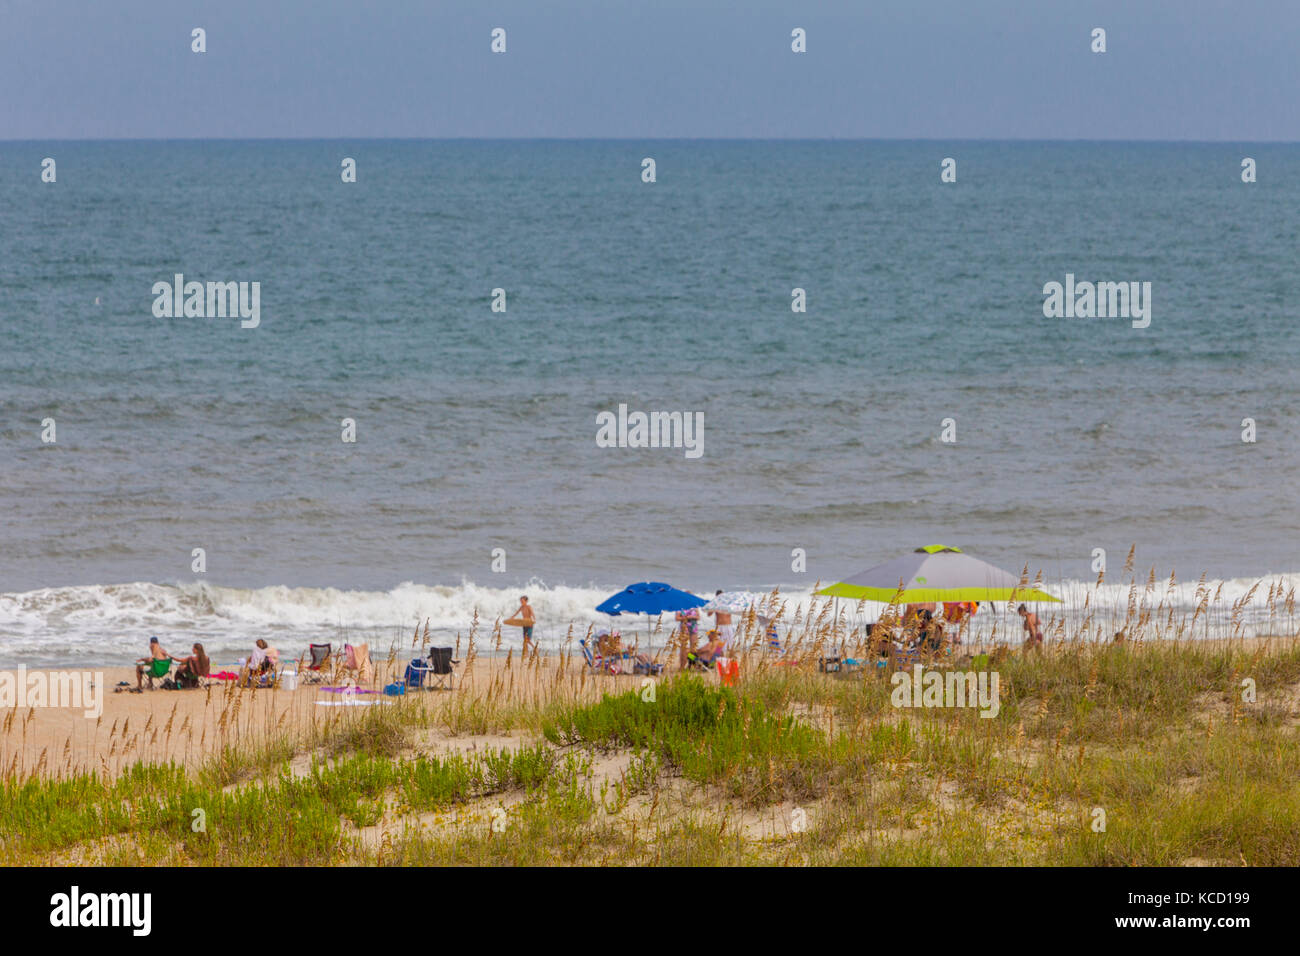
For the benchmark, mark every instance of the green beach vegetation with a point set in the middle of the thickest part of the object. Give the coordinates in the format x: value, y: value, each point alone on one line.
x: 1100, y: 754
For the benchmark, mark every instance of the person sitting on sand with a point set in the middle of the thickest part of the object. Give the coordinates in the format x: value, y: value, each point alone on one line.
x: 1033, y: 629
x: 193, y: 668
x: 157, y: 664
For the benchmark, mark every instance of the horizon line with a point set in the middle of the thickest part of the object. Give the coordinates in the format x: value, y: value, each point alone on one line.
x: 634, y: 139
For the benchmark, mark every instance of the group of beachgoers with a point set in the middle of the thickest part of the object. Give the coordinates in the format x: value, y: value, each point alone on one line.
x: 926, y: 630
x: 923, y: 628
x: 260, y: 667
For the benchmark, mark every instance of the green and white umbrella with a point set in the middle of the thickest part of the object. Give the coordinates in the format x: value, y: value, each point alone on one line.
x: 935, y: 573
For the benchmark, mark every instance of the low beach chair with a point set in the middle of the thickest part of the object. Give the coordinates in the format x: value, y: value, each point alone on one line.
x: 259, y: 670
x: 596, y: 661
x: 312, y: 664
x: 157, y: 668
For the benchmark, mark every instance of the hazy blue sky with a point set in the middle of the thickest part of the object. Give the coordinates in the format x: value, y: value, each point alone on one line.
x: 1175, y: 69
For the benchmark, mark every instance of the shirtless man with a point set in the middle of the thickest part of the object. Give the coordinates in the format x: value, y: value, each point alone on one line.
x: 726, y: 633
x: 1033, y: 629
x: 526, y: 612
x: 151, y: 666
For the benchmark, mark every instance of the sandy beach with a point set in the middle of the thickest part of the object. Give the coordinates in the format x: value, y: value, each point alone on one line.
x: 191, y: 727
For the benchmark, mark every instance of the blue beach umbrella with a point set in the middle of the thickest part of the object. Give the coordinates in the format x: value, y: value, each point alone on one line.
x: 648, y: 597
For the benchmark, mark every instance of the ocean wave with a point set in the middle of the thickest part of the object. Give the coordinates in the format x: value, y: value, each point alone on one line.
x: 112, y: 622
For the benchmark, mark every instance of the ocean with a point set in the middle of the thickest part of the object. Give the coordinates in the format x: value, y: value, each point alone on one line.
x: 476, y: 475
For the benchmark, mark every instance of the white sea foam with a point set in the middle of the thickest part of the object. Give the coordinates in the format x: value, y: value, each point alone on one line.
x: 106, y: 624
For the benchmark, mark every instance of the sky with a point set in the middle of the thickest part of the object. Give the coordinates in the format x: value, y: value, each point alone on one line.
x: 1214, y: 70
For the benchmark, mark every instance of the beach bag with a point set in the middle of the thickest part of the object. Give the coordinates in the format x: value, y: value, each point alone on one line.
x: 397, y: 689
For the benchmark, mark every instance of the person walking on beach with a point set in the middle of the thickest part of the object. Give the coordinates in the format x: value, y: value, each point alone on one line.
x: 526, y: 612
x: 726, y: 633
x: 1033, y: 629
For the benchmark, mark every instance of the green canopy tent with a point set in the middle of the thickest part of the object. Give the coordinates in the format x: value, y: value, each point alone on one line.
x: 935, y: 573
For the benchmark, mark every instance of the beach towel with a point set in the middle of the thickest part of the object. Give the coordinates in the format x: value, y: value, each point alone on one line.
x: 348, y: 690
x: 350, y: 703
x: 223, y: 675
x: 728, y: 670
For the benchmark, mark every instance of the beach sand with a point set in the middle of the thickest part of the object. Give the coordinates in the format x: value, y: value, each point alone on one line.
x: 192, y: 727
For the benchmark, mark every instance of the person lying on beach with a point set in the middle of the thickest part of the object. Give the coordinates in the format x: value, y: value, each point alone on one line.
x: 193, y: 668
x: 157, y: 664
x: 1033, y: 629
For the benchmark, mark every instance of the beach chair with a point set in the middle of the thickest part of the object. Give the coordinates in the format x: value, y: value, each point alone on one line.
x: 440, y: 671
x: 904, y: 658
x: 648, y: 668
x: 598, y: 662
x: 159, y: 669
x: 703, y: 663
x: 355, y: 664
x: 259, y: 670
x: 311, y: 666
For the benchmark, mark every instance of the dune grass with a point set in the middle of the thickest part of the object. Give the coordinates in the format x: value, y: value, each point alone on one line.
x: 1100, y: 755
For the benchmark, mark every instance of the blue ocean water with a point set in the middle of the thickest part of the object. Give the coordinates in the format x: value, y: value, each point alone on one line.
x: 476, y: 429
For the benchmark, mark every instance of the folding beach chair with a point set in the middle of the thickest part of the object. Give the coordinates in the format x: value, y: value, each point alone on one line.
x: 311, y: 666
x: 598, y: 662
x: 157, y: 668
x: 356, y: 662
x: 440, y: 671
